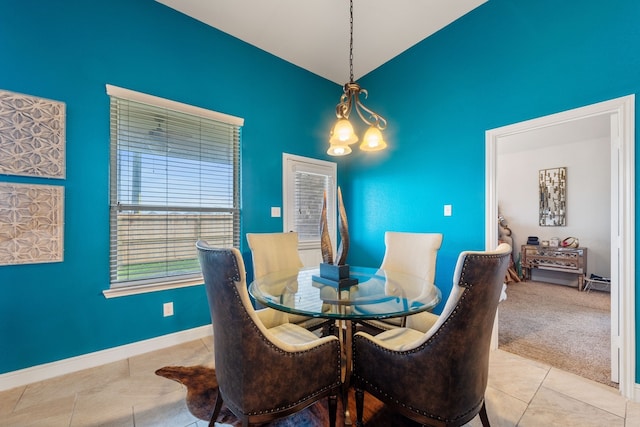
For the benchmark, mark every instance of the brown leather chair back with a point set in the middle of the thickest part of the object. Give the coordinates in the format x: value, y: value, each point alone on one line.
x: 441, y: 378
x: 258, y: 378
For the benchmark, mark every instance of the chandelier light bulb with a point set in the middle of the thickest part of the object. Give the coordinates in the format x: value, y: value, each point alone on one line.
x: 339, y: 150
x: 343, y: 133
x: 373, y: 140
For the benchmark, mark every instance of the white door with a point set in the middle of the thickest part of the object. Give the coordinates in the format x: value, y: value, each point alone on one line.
x: 304, y: 182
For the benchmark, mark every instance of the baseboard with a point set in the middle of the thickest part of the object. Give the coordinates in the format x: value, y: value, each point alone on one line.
x: 90, y: 360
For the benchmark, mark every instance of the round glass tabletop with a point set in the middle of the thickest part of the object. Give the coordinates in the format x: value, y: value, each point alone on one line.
x: 378, y: 294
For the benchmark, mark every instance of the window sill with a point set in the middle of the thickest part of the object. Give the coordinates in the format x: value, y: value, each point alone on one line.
x: 151, y: 287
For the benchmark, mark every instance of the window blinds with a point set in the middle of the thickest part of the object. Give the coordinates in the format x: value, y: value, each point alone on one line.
x: 309, y: 195
x: 174, y: 180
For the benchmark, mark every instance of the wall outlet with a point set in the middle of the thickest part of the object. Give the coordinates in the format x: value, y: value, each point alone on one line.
x: 167, y: 309
x: 275, y: 212
x: 447, y: 210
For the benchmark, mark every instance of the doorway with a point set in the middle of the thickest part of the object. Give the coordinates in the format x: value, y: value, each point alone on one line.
x: 621, y: 117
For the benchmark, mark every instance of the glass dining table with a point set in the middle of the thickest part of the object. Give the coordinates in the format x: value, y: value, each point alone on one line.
x: 378, y: 294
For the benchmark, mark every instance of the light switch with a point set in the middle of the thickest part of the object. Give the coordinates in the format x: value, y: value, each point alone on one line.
x: 447, y: 210
x: 167, y: 309
x: 275, y: 211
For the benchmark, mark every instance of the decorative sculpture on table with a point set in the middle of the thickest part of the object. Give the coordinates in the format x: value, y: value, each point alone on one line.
x: 334, y: 273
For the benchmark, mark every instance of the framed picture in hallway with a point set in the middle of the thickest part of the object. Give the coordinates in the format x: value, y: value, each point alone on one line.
x: 553, y: 197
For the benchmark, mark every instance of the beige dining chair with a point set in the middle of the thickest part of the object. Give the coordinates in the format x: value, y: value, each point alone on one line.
x: 438, y: 378
x: 262, y: 373
x: 273, y: 252
x: 409, y: 253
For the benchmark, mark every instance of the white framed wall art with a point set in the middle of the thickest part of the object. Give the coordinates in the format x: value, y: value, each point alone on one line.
x: 31, y: 223
x: 32, y: 136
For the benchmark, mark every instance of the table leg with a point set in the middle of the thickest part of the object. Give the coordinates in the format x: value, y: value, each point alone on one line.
x: 346, y: 384
x: 345, y: 333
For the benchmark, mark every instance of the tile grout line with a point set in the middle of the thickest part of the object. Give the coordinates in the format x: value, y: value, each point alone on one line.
x: 73, y: 409
x: 533, y: 396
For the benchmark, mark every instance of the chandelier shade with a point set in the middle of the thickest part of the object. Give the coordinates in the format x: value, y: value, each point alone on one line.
x: 373, y: 140
x: 343, y: 134
x: 339, y: 150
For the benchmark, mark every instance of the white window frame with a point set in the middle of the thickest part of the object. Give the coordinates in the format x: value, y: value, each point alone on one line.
x: 292, y: 164
x: 169, y: 282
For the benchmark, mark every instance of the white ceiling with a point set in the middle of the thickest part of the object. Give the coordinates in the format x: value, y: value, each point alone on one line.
x: 314, y: 34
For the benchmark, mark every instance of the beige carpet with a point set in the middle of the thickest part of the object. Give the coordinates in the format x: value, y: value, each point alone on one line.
x: 559, y: 326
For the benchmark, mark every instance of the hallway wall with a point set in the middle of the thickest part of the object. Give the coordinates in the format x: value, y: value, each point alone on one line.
x: 588, y: 198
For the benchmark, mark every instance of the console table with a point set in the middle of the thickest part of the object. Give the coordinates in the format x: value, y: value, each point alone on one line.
x: 567, y: 260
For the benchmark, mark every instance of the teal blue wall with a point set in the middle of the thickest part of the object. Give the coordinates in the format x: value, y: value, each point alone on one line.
x: 505, y: 62
x: 68, y: 51
x: 502, y: 63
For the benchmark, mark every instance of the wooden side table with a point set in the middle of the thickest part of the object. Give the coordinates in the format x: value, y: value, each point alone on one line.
x: 566, y: 260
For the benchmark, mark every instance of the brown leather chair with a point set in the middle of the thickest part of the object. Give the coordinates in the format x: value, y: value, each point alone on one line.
x: 438, y: 378
x: 263, y: 373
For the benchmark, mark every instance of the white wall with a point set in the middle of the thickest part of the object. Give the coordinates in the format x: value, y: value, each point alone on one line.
x: 588, y: 198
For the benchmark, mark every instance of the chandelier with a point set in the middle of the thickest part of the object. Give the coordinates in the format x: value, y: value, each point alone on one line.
x: 342, y: 135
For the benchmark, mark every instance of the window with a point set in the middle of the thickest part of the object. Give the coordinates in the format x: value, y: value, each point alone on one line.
x: 174, y: 180
x: 308, y: 200
x: 305, y: 181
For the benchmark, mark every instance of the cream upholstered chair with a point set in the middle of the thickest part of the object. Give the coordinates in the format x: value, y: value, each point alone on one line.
x: 273, y: 252
x: 410, y: 253
x: 438, y: 378
x: 262, y: 373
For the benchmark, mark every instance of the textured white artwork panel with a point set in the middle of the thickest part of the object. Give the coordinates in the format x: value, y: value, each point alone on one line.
x: 31, y: 223
x: 32, y: 136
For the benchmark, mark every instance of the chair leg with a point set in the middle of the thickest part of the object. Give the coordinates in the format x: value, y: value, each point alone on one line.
x: 359, y: 406
x: 483, y: 416
x: 333, y: 409
x: 328, y: 329
x: 216, y: 410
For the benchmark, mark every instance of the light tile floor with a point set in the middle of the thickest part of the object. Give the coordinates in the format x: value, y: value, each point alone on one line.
x: 127, y: 393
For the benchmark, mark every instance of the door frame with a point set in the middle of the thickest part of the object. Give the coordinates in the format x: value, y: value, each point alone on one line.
x: 622, y: 113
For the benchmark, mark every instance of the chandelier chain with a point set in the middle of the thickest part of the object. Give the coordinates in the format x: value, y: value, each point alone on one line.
x: 351, y: 41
